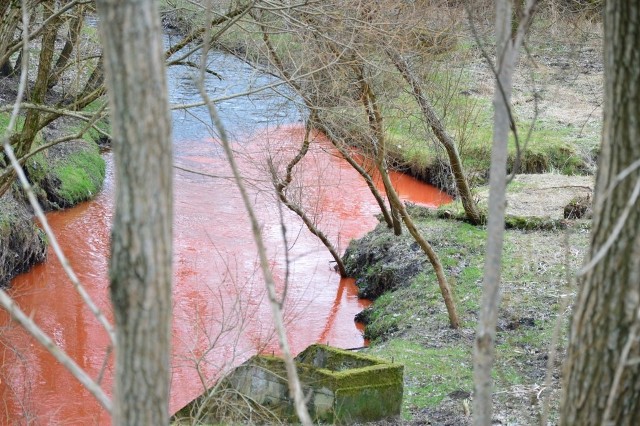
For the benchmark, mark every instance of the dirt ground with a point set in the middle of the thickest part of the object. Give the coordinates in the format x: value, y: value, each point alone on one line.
x: 543, y: 195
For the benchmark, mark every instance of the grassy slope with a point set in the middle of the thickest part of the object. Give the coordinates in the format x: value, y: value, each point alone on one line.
x: 410, y: 324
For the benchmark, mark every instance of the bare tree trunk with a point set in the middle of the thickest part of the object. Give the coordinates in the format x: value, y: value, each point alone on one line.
x: 602, y: 373
x: 398, y: 210
x: 141, y: 247
x: 11, y: 15
x: 464, y: 191
x: 445, y: 290
x: 23, y: 141
x: 507, y: 46
x: 485, y: 337
x: 75, y: 26
x: 374, y: 115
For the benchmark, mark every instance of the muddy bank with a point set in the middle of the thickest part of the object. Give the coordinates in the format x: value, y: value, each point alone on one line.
x: 408, y: 320
x: 22, y: 244
x: 382, y: 262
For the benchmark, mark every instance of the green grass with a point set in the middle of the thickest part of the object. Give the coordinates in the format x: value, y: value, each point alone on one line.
x: 448, y: 369
x: 5, y: 117
x: 81, y: 176
x: 550, y: 148
x: 77, y: 176
x: 410, y: 325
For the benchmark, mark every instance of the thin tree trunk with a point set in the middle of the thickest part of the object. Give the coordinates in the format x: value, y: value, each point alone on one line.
x: 485, y: 337
x: 11, y: 15
x: 23, y: 141
x: 507, y: 45
x: 75, y: 25
x: 141, y: 239
x: 445, y: 290
x: 398, y: 209
x: 374, y: 116
x: 464, y: 191
x: 602, y: 373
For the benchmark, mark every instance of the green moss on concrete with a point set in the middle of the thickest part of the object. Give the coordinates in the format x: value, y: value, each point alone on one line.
x: 342, y: 386
x: 371, y: 403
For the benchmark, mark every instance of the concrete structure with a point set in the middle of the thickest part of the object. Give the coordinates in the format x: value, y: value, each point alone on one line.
x: 343, y: 387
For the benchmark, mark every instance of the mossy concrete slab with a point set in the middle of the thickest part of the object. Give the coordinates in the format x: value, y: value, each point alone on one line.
x: 342, y: 387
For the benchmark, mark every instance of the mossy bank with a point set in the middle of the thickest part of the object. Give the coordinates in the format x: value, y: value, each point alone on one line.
x: 61, y: 176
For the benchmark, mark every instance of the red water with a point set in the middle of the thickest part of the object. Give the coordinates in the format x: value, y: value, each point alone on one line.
x: 221, y: 314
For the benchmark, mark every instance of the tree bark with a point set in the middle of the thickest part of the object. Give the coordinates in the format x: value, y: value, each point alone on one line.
x: 141, y: 240
x: 484, y: 350
x: 75, y: 26
x: 11, y: 16
x: 398, y: 211
x: 22, y: 143
x: 602, y: 375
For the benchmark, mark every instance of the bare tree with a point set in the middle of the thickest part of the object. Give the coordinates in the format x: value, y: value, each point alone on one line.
x: 602, y: 371
x: 141, y: 246
x: 281, y: 186
x: 344, y: 61
x: 462, y: 184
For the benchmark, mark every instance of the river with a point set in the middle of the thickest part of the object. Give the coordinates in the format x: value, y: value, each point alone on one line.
x: 220, y: 312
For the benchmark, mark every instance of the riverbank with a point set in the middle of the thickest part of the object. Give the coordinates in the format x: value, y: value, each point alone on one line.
x: 61, y: 176
x: 557, y: 101
x: 408, y: 321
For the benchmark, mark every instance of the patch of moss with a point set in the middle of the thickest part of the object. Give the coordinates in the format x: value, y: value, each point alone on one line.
x: 67, y: 174
x: 81, y: 177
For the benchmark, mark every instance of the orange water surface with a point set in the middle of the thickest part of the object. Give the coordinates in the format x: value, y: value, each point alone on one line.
x: 220, y: 312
